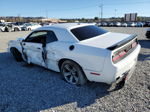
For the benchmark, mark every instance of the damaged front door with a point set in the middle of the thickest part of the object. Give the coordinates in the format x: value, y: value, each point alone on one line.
x: 33, y: 48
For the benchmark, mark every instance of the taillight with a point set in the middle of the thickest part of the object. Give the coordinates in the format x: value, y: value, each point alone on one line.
x: 121, y: 54
x: 118, y: 56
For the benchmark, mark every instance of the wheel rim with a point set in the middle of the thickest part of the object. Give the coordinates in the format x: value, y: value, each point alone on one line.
x: 70, y: 74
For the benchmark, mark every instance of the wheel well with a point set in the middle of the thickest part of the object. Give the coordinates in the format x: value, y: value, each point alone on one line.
x: 16, y: 28
x: 29, y: 28
x: 60, y: 62
x: 14, y: 49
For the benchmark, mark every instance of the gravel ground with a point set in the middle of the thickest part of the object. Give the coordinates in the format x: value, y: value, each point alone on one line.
x: 30, y: 88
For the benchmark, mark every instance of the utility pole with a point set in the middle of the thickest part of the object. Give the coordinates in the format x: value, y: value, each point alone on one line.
x: 46, y: 13
x: 115, y: 15
x: 19, y: 18
x: 101, y: 11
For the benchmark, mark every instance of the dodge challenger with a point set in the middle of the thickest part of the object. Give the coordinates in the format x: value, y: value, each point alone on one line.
x: 80, y: 52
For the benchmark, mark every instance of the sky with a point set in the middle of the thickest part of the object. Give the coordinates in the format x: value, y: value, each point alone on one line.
x: 73, y: 8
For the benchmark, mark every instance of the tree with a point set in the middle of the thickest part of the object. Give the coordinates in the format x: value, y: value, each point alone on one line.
x: 95, y: 18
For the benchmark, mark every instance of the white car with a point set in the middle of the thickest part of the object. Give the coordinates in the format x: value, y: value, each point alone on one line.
x: 118, y: 24
x: 124, y: 24
x: 2, y: 27
x: 80, y: 52
x: 18, y: 26
x: 30, y: 26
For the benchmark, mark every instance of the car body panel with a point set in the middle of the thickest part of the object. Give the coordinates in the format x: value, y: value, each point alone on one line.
x: 33, y: 52
x: 106, y: 40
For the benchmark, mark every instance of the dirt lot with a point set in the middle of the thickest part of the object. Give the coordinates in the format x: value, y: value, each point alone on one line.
x: 25, y: 88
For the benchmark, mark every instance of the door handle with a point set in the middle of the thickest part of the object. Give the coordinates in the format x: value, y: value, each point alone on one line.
x: 24, y: 43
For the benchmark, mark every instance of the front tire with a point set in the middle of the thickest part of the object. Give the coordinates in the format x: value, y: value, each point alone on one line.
x: 73, y: 73
x: 16, y: 54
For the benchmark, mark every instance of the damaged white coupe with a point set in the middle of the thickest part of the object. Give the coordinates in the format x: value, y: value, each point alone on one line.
x: 80, y: 52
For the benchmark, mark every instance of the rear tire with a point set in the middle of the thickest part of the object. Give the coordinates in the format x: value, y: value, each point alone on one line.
x: 16, y: 54
x: 73, y: 73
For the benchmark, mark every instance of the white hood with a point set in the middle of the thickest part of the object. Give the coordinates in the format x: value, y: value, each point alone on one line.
x: 105, y: 40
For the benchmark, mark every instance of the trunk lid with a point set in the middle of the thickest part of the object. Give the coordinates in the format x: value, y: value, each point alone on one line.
x: 109, y: 40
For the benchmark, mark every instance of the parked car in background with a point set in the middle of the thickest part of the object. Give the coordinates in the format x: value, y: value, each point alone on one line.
x: 2, y: 27
x: 139, y: 24
x: 148, y: 33
x: 104, y: 24
x: 131, y: 24
x: 46, y: 24
x: 30, y: 26
x: 111, y: 24
x: 117, y: 24
x: 80, y: 52
x: 124, y: 24
x: 17, y: 26
x: 99, y: 24
x: 147, y: 24
x: 8, y: 27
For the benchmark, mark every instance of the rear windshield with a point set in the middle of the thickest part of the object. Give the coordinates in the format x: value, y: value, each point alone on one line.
x: 87, y: 32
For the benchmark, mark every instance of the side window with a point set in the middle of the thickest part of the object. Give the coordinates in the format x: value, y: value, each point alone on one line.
x: 51, y: 37
x: 37, y: 37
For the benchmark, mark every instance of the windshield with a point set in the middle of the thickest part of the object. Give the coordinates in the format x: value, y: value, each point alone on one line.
x: 87, y: 32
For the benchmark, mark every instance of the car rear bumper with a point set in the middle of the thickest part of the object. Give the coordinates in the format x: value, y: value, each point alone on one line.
x: 127, y: 65
x: 112, y: 73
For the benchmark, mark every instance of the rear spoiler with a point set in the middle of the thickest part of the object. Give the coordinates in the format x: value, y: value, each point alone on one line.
x: 121, y: 43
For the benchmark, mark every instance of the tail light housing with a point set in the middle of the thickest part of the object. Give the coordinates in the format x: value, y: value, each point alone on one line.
x: 118, y: 56
x: 122, y: 53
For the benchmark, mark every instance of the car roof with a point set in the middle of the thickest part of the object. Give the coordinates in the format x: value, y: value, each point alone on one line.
x: 65, y: 26
x: 62, y: 30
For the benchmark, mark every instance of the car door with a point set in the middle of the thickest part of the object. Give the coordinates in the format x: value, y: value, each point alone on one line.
x: 51, y: 51
x: 33, y: 47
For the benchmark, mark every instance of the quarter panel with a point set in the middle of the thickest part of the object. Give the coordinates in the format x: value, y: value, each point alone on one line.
x: 87, y: 57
